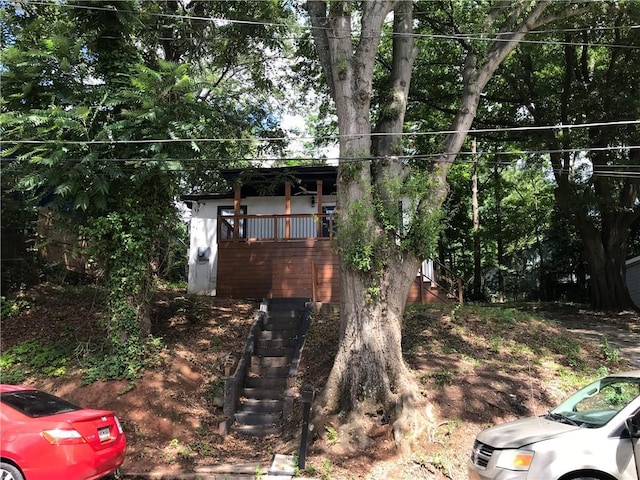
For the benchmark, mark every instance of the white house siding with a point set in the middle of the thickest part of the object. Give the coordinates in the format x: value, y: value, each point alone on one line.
x: 203, y: 232
x: 633, y: 279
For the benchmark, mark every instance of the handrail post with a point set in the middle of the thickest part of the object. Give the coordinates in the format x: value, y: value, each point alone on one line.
x: 307, y: 399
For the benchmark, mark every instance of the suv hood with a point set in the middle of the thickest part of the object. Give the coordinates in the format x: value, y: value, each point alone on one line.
x: 523, y: 432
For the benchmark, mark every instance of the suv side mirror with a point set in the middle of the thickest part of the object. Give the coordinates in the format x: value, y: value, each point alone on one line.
x: 633, y: 425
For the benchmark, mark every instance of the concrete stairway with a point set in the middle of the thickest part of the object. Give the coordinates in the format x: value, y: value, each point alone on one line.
x: 260, y: 406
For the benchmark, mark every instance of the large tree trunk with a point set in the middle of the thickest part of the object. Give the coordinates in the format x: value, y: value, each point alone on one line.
x: 602, y: 209
x: 605, y: 249
x: 475, y: 209
x: 608, y: 290
x: 369, y: 378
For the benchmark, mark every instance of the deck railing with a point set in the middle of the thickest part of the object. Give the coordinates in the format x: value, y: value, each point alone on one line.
x: 276, y: 227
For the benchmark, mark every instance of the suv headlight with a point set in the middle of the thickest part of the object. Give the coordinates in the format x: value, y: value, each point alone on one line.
x: 515, y: 459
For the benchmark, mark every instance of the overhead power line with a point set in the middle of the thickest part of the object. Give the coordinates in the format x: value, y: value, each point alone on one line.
x: 323, y: 138
x: 503, y: 36
x: 635, y: 169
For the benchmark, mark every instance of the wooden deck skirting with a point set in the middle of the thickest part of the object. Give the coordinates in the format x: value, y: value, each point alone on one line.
x: 278, y: 269
x: 271, y: 256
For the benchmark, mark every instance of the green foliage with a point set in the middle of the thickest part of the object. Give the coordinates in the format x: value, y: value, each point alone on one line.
x: 258, y: 472
x: 124, y: 360
x: 12, y: 307
x: 31, y: 357
x: 126, y: 244
x: 332, y: 435
x: 350, y: 171
x: 611, y: 353
x: 326, y: 470
x: 357, y: 241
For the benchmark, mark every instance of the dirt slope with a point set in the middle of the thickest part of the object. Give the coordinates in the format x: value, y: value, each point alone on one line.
x: 474, y: 371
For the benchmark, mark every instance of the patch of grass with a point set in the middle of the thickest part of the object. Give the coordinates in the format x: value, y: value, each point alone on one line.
x: 100, y: 364
x: 507, y: 341
x: 442, y: 377
x: 327, y: 469
x: 174, y: 285
x: 259, y: 473
x: 569, y: 350
x: 496, y: 343
x: 571, y: 380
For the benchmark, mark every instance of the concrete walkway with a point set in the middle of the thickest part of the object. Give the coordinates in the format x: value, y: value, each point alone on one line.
x: 282, y: 468
x: 627, y: 342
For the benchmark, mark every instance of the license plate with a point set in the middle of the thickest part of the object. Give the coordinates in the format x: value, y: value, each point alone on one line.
x: 103, y: 434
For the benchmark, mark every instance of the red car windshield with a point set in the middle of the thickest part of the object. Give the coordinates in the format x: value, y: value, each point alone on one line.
x: 37, y: 404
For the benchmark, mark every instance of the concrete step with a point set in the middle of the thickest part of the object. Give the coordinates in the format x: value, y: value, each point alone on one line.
x: 258, y: 418
x: 265, y: 371
x: 257, y: 430
x: 277, y: 334
x: 267, y: 383
x: 275, y: 304
x: 259, y: 405
x: 263, y: 393
x: 288, y: 343
x: 268, y: 361
x: 284, y: 313
x: 278, y: 352
x: 280, y: 325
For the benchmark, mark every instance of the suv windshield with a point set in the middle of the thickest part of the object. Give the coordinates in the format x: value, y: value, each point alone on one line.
x: 596, y: 404
x: 36, y: 404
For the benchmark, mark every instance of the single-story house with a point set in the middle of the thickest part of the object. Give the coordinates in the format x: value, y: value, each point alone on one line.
x: 272, y: 236
x: 633, y: 279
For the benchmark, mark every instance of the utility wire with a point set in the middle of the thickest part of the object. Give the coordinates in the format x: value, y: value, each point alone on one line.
x: 407, y: 157
x: 467, y: 37
x: 323, y: 138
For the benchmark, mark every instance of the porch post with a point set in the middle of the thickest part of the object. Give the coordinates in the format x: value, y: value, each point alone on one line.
x: 319, y: 203
x: 287, y: 209
x: 236, y: 213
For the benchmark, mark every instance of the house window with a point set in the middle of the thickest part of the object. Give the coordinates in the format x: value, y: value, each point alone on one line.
x: 328, y: 221
x: 227, y: 226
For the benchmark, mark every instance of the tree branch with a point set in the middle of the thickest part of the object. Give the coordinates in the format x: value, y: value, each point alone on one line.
x: 318, y: 15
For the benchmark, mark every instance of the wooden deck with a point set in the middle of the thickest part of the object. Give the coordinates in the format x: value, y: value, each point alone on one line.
x: 305, y: 268
x: 271, y: 256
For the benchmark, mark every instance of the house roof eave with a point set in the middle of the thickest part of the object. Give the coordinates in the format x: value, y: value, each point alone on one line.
x: 270, y: 182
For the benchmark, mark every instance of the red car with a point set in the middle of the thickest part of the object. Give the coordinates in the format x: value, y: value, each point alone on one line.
x: 43, y: 437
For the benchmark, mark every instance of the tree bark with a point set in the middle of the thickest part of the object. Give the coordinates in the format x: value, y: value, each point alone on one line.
x: 604, y: 242
x: 602, y: 210
x: 369, y: 378
x: 475, y: 208
x: 500, y: 247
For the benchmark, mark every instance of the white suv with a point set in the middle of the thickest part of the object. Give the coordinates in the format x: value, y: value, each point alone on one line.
x: 594, y: 435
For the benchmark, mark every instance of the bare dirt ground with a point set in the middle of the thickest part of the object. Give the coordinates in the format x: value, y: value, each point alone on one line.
x: 473, y: 375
